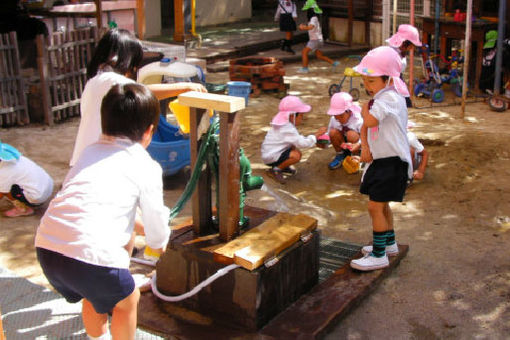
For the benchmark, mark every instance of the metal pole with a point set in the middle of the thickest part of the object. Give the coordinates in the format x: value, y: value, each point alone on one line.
x: 467, y: 51
x: 499, y: 46
x: 436, y: 25
x: 386, y: 20
x: 411, y: 56
x: 395, y: 8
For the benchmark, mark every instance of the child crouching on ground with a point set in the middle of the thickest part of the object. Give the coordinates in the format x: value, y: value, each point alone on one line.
x: 385, y: 149
x: 280, y: 148
x: 24, y: 183
x: 81, y: 239
x: 344, y: 127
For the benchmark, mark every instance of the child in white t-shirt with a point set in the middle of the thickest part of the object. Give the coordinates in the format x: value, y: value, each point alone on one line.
x: 81, y: 240
x: 344, y: 127
x: 24, y: 183
x: 385, y: 149
x: 286, y: 15
x: 419, y: 156
x: 315, y: 39
x: 280, y: 148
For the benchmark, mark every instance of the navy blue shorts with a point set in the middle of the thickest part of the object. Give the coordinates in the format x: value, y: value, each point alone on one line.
x: 104, y: 287
x: 17, y: 194
x: 385, y: 180
x: 283, y: 157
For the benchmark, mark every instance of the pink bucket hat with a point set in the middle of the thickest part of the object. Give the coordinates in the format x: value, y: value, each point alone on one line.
x: 383, y: 61
x: 289, y: 105
x: 405, y: 32
x: 341, y: 102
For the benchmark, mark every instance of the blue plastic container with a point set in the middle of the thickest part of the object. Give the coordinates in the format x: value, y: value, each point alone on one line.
x: 169, y: 148
x: 239, y: 89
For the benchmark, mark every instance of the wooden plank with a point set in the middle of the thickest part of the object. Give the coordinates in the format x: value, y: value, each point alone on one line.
x: 229, y: 176
x: 212, y: 101
x: 42, y: 66
x: 22, y: 99
x: 336, y: 296
x: 267, y: 240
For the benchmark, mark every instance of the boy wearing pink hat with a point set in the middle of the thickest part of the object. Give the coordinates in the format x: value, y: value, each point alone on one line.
x: 280, y: 148
x: 344, y: 127
x: 385, y: 149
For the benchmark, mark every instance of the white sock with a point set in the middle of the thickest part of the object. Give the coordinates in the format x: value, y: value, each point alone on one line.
x: 105, y: 336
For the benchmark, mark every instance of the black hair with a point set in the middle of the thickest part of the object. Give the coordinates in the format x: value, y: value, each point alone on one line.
x: 385, y: 78
x: 310, y: 13
x: 120, y: 50
x: 128, y: 110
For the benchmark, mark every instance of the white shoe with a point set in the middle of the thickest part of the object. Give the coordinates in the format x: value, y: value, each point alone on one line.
x: 390, y: 250
x: 369, y: 262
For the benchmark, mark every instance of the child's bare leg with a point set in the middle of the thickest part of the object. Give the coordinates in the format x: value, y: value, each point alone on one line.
x: 124, y: 317
x: 337, y: 138
x: 352, y: 136
x: 294, y: 157
x: 321, y: 56
x: 377, y: 214
x: 288, y: 35
x: 388, y: 214
x: 304, y: 56
x: 95, y: 324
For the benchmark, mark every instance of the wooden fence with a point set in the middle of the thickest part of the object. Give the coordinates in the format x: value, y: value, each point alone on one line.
x: 62, y: 60
x: 13, y: 101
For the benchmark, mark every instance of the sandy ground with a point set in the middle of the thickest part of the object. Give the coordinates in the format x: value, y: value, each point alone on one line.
x: 455, y: 281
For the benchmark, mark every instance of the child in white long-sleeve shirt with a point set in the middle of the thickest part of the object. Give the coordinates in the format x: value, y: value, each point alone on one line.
x: 24, y: 183
x: 81, y: 240
x: 280, y: 148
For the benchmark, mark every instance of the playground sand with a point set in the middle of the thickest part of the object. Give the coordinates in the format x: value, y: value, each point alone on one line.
x: 455, y: 280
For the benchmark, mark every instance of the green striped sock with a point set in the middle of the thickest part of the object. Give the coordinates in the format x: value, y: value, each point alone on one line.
x: 379, y: 243
x: 390, y: 237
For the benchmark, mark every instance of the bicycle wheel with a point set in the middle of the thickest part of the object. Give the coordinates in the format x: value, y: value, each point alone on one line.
x: 334, y: 88
x: 497, y: 104
x: 437, y: 95
x: 354, y: 94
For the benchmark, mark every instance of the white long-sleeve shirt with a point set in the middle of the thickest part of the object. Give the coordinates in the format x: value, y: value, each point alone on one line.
x: 281, y: 137
x: 92, y: 217
x: 95, y: 89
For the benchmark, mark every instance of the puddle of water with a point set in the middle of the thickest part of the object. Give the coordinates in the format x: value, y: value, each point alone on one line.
x: 278, y: 201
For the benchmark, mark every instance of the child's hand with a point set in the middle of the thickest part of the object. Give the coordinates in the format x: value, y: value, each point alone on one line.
x: 418, y: 175
x: 348, y: 146
x: 366, y: 155
x: 322, y: 130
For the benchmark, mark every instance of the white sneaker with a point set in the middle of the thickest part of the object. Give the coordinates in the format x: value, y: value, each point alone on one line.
x: 369, y: 262
x: 390, y: 250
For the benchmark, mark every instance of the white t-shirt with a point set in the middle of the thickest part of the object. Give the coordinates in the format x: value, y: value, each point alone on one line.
x: 315, y: 33
x: 37, y: 185
x: 389, y: 138
x: 414, y: 142
x: 285, y: 6
x: 281, y: 137
x: 92, y: 217
x: 95, y: 89
x: 354, y: 122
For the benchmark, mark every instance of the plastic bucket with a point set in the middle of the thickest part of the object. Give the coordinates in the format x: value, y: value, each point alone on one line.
x: 239, y: 89
x: 181, y: 113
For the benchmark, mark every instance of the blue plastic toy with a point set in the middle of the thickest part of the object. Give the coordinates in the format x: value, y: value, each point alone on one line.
x: 169, y: 148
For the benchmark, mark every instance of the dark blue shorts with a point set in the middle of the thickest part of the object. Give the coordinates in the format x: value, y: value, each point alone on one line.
x: 104, y: 287
x: 283, y: 157
x: 17, y: 194
x: 385, y: 180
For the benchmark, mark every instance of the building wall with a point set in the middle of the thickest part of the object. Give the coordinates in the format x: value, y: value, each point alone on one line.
x: 152, y: 18
x: 214, y: 12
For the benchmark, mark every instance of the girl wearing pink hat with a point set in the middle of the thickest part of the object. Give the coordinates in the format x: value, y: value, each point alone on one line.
x: 385, y: 149
x: 344, y: 127
x: 280, y: 148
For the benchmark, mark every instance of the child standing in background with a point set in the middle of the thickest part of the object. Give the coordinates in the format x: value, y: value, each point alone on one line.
x: 385, y: 149
x: 286, y: 15
x: 404, y: 42
x: 24, y: 183
x: 419, y: 156
x: 81, y: 240
x: 344, y: 127
x: 116, y: 60
x: 280, y: 148
x: 315, y: 41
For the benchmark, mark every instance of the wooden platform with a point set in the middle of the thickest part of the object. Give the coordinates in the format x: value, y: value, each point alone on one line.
x: 310, y: 317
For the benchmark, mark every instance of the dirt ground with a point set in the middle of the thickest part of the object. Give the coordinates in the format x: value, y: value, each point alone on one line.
x: 454, y: 282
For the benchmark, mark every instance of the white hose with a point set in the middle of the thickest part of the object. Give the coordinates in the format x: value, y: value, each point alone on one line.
x: 195, y: 290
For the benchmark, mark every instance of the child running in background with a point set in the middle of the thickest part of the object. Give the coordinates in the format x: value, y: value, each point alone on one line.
x: 82, y: 236
x: 344, y: 127
x: 315, y: 39
x: 280, y: 148
x: 385, y: 149
x: 116, y: 60
x: 24, y: 183
x: 286, y: 15
x: 404, y: 42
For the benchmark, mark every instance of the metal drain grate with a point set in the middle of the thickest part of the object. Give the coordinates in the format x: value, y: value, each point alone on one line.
x: 333, y: 254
